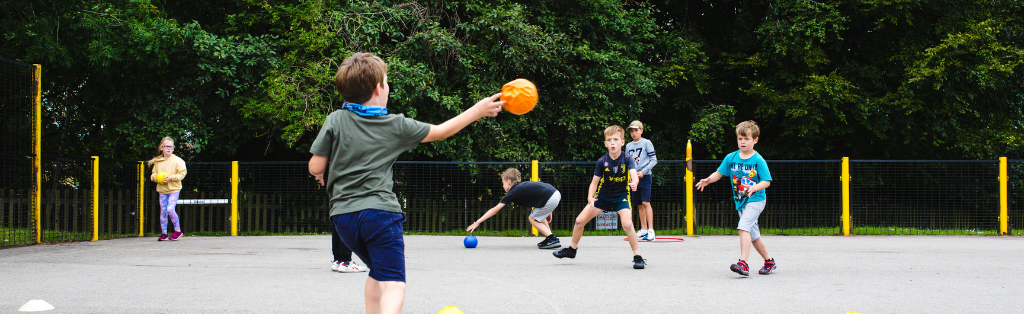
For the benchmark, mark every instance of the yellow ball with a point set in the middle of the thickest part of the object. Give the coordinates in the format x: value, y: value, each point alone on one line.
x: 160, y: 176
x: 520, y: 96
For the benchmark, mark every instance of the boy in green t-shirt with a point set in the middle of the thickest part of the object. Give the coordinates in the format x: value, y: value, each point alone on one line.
x: 357, y: 148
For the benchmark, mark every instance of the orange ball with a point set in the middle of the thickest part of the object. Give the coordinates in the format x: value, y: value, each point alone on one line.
x: 520, y: 96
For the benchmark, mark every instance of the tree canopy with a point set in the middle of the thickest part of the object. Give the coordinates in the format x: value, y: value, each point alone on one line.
x: 253, y: 79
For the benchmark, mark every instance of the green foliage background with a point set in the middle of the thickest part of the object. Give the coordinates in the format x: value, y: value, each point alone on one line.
x: 252, y: 79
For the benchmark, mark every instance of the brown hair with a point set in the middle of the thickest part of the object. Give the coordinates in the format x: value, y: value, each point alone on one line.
x: 162, y: 141
x: 358, y: 75
x: 615, y: 129
x: 512, y: 174
x: 748, y: 127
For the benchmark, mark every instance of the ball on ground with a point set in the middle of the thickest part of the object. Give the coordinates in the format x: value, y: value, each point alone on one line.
x: 470, y: 241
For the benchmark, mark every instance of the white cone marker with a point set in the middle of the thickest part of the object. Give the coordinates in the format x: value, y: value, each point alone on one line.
x: 35, y: 306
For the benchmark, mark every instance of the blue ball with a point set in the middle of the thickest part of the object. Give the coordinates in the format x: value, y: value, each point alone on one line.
x: 470, y: 241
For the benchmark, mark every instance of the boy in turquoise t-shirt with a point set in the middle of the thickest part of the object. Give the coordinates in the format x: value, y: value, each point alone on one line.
x: 749, y: 176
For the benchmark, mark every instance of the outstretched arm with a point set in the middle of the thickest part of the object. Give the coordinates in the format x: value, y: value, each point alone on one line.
x: 488, y: 214
x: 709, y: 180
x: 487, y: 107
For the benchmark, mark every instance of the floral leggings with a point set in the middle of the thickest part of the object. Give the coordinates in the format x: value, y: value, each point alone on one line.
x: 167, y: 203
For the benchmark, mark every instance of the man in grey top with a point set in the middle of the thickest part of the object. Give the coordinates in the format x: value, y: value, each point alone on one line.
x: 643, y: 155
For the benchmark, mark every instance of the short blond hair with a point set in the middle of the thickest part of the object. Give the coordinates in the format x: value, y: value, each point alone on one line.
x: 748, y: 127
x: 512, y: 175
x: 609, y: 131
x: 358, y: 75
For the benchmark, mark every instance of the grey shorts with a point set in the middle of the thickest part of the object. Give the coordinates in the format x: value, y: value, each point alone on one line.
x: 540, y: 214
x: 748, y: 219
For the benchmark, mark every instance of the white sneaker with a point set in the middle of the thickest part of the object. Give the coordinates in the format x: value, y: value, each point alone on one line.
x: 650, y: 235
x: 335, y: 265
x: 641, y: 233
x: 351, y: 267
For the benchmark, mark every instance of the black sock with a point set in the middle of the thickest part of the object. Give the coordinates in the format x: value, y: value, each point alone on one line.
x: 552, y: 236
x: 770, y: 260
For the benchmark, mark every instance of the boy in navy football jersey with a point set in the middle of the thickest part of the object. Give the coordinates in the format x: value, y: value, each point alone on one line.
x: 541, y: 196
x: 614, y: 177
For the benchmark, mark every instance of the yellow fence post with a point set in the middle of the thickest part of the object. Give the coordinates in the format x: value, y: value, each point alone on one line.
x: 142, y: 198
x: 845, y: 178
x: 234, y: 198
x: 689, y: 189
x: 535, y: 177
x: 37, y: 153
x: 1003, y: 196
x: 95, y: 198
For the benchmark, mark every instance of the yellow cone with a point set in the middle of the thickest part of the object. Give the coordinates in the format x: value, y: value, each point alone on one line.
x: 35, y: 306
x: 450, y: 310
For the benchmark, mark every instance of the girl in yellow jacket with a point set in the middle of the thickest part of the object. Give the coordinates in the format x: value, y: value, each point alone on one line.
x: 168, y: 171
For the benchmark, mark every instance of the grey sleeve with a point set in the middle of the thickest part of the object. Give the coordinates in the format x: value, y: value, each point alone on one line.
x: 323, y: 143
x: 412, y: 132
x: 649, y: 147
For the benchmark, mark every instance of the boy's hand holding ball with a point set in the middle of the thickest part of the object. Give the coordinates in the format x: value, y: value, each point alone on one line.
x: 490, y: 106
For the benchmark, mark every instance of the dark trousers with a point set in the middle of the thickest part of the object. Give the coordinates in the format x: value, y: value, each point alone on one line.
x: 341, y: 252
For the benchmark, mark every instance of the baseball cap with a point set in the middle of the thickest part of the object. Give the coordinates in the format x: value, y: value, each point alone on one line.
x: 636, y: 125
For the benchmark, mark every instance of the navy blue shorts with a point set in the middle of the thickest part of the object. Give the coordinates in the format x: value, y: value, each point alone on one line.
x: 643, y: 191
x: 612, y: 205
x: 376, y: 237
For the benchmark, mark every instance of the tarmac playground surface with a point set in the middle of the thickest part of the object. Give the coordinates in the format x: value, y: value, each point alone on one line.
x: 291, y: 274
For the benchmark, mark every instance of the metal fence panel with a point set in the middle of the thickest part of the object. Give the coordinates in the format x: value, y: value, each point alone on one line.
x: 805, y: 197
x: 118, y: 198
x: 66, y: 199
x: 205, y: 180
x: 280, y: 197
x: 924, y: 197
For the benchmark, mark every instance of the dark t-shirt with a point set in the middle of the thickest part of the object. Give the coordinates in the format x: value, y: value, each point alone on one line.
x: 529, y: 193
x: 614, y: 175
x: 360, y: 154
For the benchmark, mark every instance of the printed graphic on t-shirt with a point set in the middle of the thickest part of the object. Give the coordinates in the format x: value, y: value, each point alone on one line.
x: 743, y: 183
x: 635, y: 153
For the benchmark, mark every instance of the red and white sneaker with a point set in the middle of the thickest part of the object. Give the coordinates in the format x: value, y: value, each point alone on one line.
x: 163, y: 237
x: 175, y: 235
x: 351, y: 267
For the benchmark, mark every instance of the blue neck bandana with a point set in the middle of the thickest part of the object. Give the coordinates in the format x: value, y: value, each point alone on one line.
x: 365, y: 111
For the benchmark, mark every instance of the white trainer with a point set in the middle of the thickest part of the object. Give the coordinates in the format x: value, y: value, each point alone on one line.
x: 641, y: 233
x: 335, y: 265
x: 650, y: 235
x: 352, y: 267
